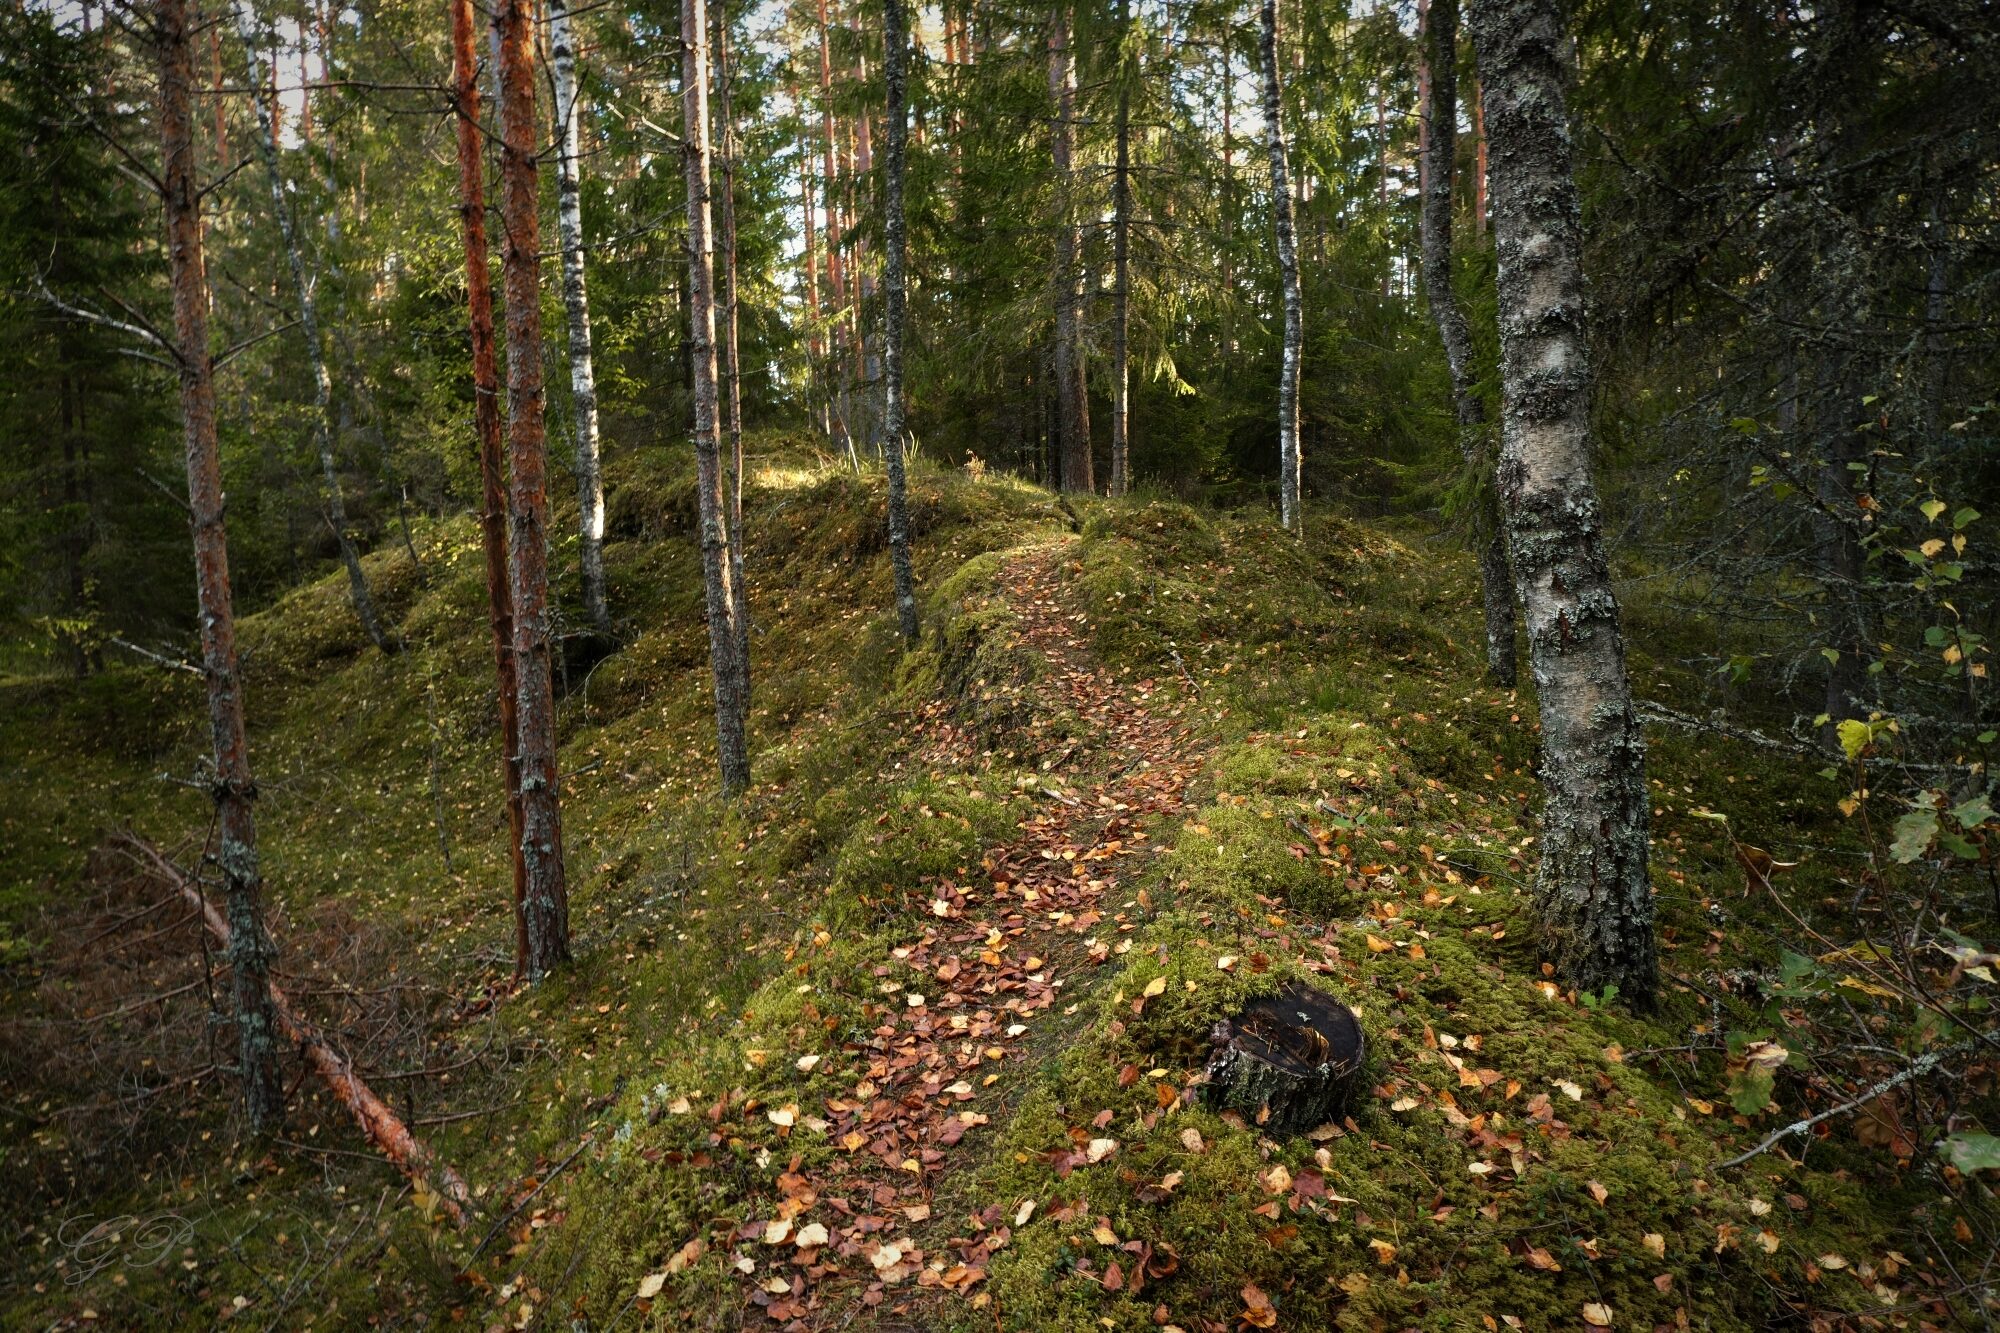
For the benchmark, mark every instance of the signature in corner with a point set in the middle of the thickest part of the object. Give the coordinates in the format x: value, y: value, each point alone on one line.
x: 92, y: 1244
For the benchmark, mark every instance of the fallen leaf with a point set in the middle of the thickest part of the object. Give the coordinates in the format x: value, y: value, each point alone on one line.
x: 1597, y: 1314
x: 649, y: 1285
x: 1157, y: 986
x: 1100, y: 1149
x: 811, y: 1236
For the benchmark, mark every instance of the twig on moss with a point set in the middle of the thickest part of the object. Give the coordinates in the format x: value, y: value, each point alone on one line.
x: 1918, y: 1067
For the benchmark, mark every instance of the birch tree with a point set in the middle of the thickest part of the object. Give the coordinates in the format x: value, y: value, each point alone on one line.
x: 895, y: 246
x: 576, y: 305
x: 725, y: 659
x: 1288, y: 277
x: 486, y: 423
x: 1072, y: 397
x: 1591, y: 891
x: 545, y: 907
x: 1440, y: 120
x: 324, y: 431
x: 250, y: 949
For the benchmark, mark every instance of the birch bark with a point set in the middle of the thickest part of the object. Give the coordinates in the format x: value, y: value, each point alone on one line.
x: 1591, y: 891
x: 1288, y: 276
x: 576, y: 305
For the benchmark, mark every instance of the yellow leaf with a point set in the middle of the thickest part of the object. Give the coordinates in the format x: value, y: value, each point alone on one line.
x: 1597, y: 1314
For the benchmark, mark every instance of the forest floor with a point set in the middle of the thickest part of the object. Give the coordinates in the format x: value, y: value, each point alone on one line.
x: 911, y: 1036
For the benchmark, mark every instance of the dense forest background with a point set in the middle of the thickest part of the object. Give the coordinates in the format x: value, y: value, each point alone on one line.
x: 1064, y: 461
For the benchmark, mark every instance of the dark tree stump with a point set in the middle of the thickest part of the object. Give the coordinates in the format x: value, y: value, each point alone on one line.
x: 1288, y: 1063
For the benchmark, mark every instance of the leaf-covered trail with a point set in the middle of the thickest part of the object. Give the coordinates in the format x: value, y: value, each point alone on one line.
x: 1004, y: 958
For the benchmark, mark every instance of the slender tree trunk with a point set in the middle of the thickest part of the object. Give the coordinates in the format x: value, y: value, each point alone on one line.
x: 1440, y: 120
x: 323, y: 424
x: 546, y: 905
x: 1288, y: 276
x: 576, y: 303
x: 834, y: 278
x: 895, y: 246
x: 723, y: 638
x: 250, y: 950
x: 732, y: 379
x: 1591, y: 893
x: 1478, y: 163
x: 1121, y: 264
x: 486, y: 419
x: 1072, y: 395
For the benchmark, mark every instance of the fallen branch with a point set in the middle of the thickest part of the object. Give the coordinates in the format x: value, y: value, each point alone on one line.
x: 382, y: 1126
x: 1918, y: 1067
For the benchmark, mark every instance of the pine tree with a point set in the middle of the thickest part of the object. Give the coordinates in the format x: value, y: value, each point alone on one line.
x: 725, y: 659
x: 1440, y: 162
x: 250, y: 949
x: 546, y: 902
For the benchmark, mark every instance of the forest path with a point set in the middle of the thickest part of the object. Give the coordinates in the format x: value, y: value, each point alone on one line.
x: 992, y: 986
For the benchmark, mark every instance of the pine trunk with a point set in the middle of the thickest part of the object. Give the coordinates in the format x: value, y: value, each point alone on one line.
x: 576, y: 303
x: 1121, y: 265
x: 1591, y: 892
x: 323, y: 426
x: 1440, y: 120
x: 546, y: 905
x: 486, y: 420
x: 250, y: 949
x: 1288, y: 276
x: 895, y: 245
x: 723, y: 636
x: 1072, y: 396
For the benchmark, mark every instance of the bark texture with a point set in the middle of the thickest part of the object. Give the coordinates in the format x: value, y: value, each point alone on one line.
x: 486, y: 421
x: 731, y: 675
x: 1289, y: 1062
x: 1121, y: 266
x: 732, y: 375
x: 546, y: 903
x: 1072, y: 396
x: 895, y: 246
x: 250, y: 949
x: 323, y: 423
x: 1591, y: 892
x: 1440, y: 161
x: 576, y: 305
x: 1288, y: 277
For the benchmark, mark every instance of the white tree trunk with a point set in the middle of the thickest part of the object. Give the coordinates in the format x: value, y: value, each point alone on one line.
x: 1288, y: 273
x: 576, y: 302
x: 1592, y: 896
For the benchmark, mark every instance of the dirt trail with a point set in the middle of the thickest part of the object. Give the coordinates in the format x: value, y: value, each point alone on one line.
x: 983, y: 992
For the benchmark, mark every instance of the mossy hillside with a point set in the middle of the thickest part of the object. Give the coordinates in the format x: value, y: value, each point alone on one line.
x: 1363, y: 787
x: 682, y: 907
x: 1333, y: 848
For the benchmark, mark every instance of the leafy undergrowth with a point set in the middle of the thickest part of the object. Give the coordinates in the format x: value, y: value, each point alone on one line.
x: 1359, y: 817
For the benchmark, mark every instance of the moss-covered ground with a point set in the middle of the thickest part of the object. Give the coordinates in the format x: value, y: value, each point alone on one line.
x: 1358, y: 815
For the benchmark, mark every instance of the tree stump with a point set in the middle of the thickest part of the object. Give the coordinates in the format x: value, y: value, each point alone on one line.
x: 1288, y: 1063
